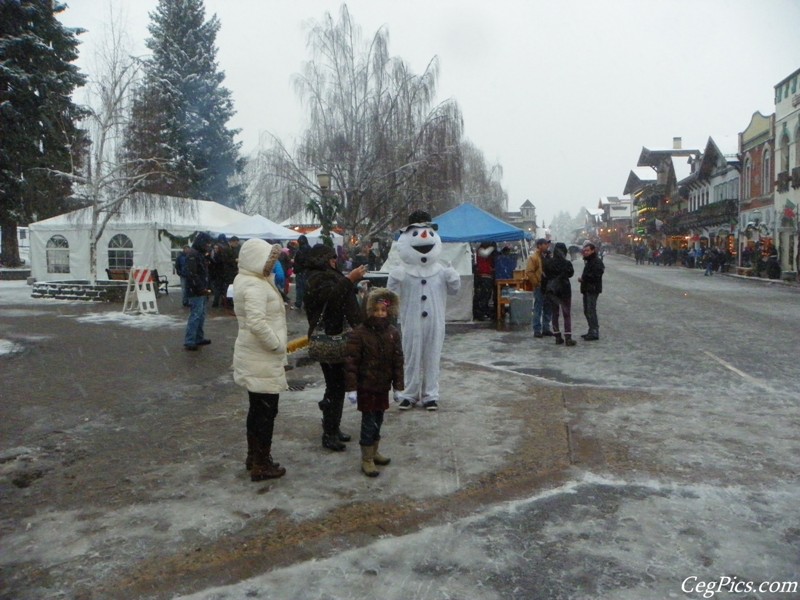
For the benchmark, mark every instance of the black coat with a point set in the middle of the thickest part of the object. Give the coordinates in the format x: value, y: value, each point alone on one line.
x: 197, y: 266
x: 327, y: 289
x: 301, y: 256
x: 592, y: 277
x: 557, y: 270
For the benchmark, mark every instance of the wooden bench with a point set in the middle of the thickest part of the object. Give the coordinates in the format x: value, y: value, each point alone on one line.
x: 160, y: 282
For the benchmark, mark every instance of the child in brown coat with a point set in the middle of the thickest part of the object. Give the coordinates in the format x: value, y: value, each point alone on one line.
x: 374, y: 365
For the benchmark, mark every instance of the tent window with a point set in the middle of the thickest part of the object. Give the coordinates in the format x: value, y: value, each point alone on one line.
x: 57, y: 254
x: 176, y: 249
x: 120, y: 252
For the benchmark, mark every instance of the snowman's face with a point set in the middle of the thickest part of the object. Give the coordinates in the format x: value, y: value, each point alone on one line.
x: 419, y: 246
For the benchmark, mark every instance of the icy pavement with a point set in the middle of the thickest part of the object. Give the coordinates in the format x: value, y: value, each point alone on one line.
x: 615, y: 469
x: 592, y: 538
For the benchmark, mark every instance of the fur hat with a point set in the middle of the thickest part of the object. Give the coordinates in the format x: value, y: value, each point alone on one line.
x: 383, y: 295
x: 419, y: 218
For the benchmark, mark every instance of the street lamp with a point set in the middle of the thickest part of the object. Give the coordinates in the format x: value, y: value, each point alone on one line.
x: 324, y: 180
x: 326, y: 208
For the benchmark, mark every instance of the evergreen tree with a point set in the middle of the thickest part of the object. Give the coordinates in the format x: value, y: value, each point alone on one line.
x: 38, y: 119
x: 181, y: 111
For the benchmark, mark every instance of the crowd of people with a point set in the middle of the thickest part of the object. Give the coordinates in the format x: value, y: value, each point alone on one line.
x: 713, y: 260
x: 380, y: 356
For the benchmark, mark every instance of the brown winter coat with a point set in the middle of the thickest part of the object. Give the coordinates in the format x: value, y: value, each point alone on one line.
x: 374, y: 361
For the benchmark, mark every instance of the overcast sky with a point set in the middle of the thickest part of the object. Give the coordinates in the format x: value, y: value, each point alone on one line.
x: 563, y: 94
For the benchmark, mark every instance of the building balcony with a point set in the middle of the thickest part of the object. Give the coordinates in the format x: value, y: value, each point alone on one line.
x: 711, y: 215
x: 782, y: 183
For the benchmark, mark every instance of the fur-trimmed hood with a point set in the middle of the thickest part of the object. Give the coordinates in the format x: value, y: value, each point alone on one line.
x: 378, y: 294
x: 258, y: 257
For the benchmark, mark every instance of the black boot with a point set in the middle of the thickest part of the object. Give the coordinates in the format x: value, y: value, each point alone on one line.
x: 559, y: 338
x: 568, y: 339
x: 330, y: 438
x: 331, y: 442
x: 338, y: 409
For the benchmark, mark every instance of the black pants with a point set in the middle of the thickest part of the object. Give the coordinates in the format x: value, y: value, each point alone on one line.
x: 261, y: 416
x: 484, y: 292
x: 371, y: 422
x: 590, y: 312
x: 332, y: 404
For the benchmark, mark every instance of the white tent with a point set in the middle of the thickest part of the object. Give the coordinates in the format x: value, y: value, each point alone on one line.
x: 60, y: 245
x: 315, y: 237
x: 256, y: 226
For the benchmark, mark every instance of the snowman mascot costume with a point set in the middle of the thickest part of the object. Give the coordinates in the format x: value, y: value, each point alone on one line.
x: 422, y: 283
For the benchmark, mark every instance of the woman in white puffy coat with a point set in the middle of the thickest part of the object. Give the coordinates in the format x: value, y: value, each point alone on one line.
x: 259, y: 354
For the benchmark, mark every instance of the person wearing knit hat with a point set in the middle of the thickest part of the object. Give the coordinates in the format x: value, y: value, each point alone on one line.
x: 330, y: 298
x: 259, y: 354
x: 374, y: 365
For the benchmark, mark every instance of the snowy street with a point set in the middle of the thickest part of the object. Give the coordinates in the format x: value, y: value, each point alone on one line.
x: 651, y: 464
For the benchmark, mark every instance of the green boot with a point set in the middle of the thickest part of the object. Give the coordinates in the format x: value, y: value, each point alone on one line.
x: 368, y: 461
x: 379, y: 459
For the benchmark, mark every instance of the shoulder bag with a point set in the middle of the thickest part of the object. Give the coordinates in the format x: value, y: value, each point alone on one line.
x: 324, y: 347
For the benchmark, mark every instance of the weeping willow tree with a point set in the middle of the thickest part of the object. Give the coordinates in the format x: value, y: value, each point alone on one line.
x: 481, y: 184
x: 375, y: 127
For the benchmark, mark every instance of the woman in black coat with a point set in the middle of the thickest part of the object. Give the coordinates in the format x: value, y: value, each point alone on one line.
x: 557, y: 271
x: 330, y: 297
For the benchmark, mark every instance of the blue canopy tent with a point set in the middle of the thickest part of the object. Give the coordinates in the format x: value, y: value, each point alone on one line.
x: 468, y: 223
x: 464, y: 225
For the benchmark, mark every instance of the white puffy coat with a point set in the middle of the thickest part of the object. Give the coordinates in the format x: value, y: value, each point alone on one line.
x: 260, y: 350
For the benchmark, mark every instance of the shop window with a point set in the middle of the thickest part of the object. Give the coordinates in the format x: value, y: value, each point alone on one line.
x: 57, y: 254
x: 120, y: 252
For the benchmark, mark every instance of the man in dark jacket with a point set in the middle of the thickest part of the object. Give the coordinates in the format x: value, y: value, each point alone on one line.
x: 300, y: 268
x: 180, y: 271
x: 198, y: 287
x: 591, y: 287
x: 331, y: 300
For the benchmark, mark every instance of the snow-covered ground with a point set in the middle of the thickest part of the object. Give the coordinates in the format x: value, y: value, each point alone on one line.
x: 682, y: 463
